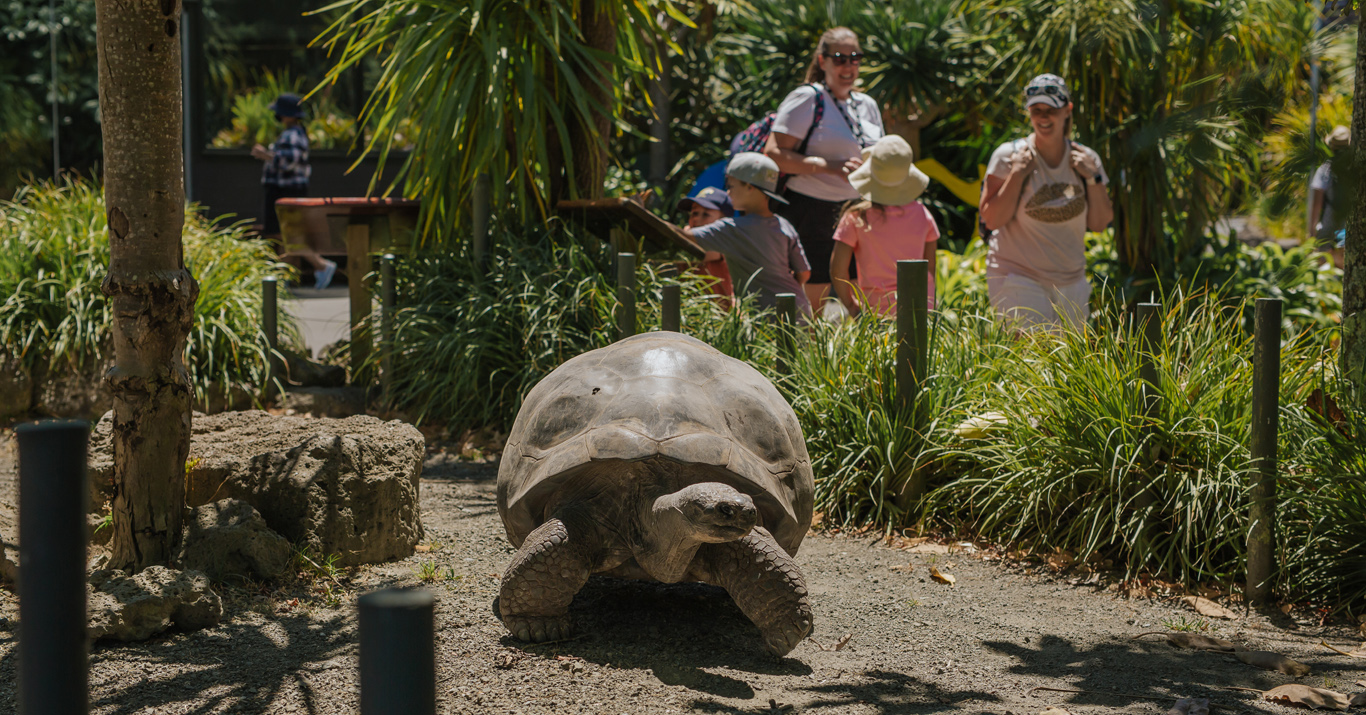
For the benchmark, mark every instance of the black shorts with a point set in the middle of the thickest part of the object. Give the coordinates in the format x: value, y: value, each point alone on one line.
x: 815, y: 221
x: 273, y: 192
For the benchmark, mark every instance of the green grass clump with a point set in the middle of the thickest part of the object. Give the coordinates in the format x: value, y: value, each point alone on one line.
x: 54, y: 254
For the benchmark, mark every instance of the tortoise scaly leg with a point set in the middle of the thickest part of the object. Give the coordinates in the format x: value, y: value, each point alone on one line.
x: 765, y: 583
x: 552, y: 565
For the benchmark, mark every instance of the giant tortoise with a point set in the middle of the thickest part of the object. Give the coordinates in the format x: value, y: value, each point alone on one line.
x: 657, y: 457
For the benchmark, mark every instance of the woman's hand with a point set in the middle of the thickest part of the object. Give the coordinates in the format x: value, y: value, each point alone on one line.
x: 1022, y: 160
x: 1085, y: 164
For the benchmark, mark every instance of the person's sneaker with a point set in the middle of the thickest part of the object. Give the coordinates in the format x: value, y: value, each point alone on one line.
x: 323, y: 277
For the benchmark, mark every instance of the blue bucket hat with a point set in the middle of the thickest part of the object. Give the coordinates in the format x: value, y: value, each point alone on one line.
x: 287, y: 105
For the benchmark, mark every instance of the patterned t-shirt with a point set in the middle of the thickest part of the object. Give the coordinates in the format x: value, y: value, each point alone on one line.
x: 1046, y: 239
x: 289, y: 167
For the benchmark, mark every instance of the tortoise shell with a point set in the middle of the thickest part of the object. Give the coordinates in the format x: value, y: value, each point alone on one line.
x: 657, y: 395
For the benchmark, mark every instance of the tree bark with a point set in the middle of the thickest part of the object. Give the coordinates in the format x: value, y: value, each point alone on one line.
x: 150, y: 291
x: 588, y: 141
x: 1354, y: 276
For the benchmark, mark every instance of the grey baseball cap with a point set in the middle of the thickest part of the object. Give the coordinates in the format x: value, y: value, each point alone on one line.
x: 1048, y: 88
x: 754, y: 168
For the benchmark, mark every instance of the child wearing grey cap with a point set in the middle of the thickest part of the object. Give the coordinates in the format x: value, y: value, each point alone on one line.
x: 761, y: 248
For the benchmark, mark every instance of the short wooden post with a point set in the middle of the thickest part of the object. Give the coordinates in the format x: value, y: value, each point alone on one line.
x: 482, y: 209
x: 787, y: 323
x: 912, y: 327
x: 1266, y: 384
x: 270, y: 325
x: 1150, y: 338
x: 53, y: 666
x: 626, y: 295
x: 357, y: 268
x: 388, y: 304
x: 671, y: 310
x: 397, y: 652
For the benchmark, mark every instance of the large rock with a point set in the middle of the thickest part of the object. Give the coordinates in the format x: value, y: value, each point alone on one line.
x: 229, y: 538
x: 347, y: 487
x: 136, y: 608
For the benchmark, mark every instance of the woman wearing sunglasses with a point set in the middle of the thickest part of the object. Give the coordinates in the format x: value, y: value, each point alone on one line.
x: 1041, y: 195
x: 819, y: 149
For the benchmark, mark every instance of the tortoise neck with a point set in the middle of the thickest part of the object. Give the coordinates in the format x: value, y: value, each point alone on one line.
x: 668, y: 542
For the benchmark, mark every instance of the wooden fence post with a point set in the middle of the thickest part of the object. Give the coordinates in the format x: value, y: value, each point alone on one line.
x: 671, y: 316
x: 626, y: 295
x: 1266, y: 384
x: 787, y: 322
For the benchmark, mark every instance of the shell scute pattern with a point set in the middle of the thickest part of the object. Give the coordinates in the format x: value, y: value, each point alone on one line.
x: 658, y: 394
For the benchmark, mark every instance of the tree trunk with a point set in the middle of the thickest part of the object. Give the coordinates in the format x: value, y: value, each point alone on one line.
x: 1354, y: 277
x: 151, y: 293
x: 589, y: 143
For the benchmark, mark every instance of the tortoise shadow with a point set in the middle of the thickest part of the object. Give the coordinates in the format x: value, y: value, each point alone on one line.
x: 681, y: 633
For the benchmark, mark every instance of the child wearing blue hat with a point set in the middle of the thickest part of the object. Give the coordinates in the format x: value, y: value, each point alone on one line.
x: 709, y: 205
x: 285, y: 174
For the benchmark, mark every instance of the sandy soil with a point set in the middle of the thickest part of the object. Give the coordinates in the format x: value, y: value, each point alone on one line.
x: 915, y: 645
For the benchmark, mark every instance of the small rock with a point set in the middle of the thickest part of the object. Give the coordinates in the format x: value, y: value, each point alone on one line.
x: 229, y: 538
x: 136, y: 608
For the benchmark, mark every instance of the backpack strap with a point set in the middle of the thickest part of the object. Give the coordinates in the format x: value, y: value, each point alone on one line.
x: 816, y: 116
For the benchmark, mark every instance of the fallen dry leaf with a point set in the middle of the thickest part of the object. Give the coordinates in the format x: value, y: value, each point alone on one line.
x: 422, y: 548
x: 1272, y: 661
x: 1190, y: 706
x: 1199, y: 642
x: 942, y: 577
x: 1206, y: 607
x: 1307, y: 696
x: 1054, y: 710
x: 1061, y: 561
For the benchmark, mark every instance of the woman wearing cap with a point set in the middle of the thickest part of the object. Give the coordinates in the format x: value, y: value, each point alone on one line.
x: 1325, y: 219
x: 820, y: 150
x: 1042, y: 194
x: 889, y: 225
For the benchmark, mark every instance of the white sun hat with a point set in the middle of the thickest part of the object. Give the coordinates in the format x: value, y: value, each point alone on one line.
x: 888, y: 175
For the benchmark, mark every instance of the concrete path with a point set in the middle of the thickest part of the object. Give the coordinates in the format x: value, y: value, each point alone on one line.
x: 323, y: 315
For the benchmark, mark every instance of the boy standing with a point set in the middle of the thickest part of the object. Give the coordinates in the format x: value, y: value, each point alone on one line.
x: 761, y: 248
x: 285, y: 174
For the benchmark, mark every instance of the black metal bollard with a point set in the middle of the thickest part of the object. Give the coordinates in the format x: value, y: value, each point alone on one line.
x: 626, y: 295
x: 787, y: 323
x: 671, y: 317
x: 1266, y: 388
x: 1150, y: 338
x: 270, y: 325
x: 397, y: 652
x: 912, y: 328
x: 388, y: 300
x: 53, y: 665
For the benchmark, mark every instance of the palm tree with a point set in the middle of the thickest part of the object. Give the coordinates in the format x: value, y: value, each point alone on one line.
x: 527, y: 91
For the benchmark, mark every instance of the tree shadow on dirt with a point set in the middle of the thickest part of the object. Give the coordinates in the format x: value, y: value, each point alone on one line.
x: 446, y: 468
x: 883, y: 691
x: 1150, y: 668
x: 683, y: 633
x: 238, y: 666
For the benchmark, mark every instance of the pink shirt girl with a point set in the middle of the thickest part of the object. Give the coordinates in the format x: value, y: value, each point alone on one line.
x: 880, y: 237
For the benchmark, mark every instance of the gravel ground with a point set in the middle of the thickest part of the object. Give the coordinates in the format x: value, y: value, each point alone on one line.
x: 914, y: 645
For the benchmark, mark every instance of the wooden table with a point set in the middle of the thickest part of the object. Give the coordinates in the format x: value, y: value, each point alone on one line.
x: 362, y: 226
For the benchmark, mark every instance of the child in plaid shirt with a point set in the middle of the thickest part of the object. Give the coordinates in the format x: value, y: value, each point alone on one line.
x: 285, y: 174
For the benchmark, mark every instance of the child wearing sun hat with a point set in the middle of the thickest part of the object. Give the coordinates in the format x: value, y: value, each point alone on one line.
x: 888, y: 225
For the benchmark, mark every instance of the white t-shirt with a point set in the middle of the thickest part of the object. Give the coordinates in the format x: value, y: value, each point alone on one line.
x: 836, y: 139
x: 1045, y: 240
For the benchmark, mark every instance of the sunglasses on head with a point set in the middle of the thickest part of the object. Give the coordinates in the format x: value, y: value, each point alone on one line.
x: 1051, y: 90
x: 840, y: 59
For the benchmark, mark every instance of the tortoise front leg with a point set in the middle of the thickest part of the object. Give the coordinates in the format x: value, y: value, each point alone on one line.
x: 552, y: 565
x: 765, y: 583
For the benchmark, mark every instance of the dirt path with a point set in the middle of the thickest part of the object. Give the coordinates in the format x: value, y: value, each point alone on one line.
x: 916, y: 646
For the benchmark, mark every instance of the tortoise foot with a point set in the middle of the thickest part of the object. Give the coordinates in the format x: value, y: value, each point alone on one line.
x: 539, y: 629
x: 781, y: 638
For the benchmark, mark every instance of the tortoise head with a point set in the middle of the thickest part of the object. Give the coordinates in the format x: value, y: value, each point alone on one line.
x: 711, y: 512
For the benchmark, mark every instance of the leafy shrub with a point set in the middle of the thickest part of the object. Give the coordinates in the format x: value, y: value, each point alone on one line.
x: 54, y: 254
